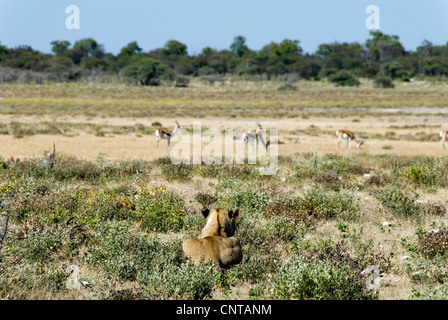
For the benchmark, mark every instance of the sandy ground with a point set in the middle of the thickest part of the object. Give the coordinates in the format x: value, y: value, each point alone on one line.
x: 131, y: 146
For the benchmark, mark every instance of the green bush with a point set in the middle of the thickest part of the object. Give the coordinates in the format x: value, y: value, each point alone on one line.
x: 186, y: 281
x: 433, y: 243
x: 20, y: 280
x: 421, y: 175
x: 159, y: 209
x: 403, y: 205
x: 326, y: 204
x: 177, y: 172
x: 299, y: 279
x: 280, y: 229
x: 344, y: 78
x: 427, y: 271
x: 181, y: 81
x: 431, y: 293
x: 383, y: 81
x: 123, y: 255
x: 146, y: 71
x: 249, y: 198
x: 328, y: 168
x: 40, y: 245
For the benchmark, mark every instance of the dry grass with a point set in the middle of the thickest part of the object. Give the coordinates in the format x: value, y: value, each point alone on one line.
x: 306, y: 118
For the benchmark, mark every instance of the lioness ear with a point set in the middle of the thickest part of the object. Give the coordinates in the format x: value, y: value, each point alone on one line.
x: 234, y: 213
x: 205, y: 212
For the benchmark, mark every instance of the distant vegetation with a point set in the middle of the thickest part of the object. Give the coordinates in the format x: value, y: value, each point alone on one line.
x: 382, y: 57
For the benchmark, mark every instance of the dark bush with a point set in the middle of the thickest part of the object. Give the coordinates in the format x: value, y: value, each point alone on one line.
x: 344, y: 78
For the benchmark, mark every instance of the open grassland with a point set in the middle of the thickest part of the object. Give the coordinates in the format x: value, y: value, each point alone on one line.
x: 307, y: 232
x: 114, y: 204
x: 232, y: 99
x: 118, y: 121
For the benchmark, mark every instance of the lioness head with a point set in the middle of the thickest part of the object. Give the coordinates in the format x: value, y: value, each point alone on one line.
x: 220, y: 222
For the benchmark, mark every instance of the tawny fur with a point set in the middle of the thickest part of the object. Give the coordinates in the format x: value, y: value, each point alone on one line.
x: 216, y: 241
x: 164, y: 134
x: 345, y: 134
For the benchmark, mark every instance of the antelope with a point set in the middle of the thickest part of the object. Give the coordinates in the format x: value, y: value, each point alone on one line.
x: 257, y: 135
x: 345, y: 134
x: 443, y: 135
x: 163, y: 134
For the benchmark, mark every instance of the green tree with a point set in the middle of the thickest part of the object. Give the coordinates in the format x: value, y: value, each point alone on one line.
x: 382, y: 47
x: 344, y: 78
x: 284, y: 48
x: 239, y: 47
x: 60, y: 47
x: 174, y: 49
x: 208, y: 51
x: 145, y: 71
x: 3, y: 51
x: 131, y: 49
x: 337, y: 56
x: 89, y: 48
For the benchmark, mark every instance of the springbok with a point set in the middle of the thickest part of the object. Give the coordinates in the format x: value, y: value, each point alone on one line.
x: 164, y: 134
x: 443, y: 135
x: 255, y: 135
x: 345, y: 134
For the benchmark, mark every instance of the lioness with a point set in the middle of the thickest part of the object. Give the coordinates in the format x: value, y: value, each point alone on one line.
x: 216, y: 241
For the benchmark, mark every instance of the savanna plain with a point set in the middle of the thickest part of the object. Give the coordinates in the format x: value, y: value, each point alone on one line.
x: 113, y: 204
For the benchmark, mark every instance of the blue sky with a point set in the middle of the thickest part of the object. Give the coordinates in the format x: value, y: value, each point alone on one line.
x: 201, y: 23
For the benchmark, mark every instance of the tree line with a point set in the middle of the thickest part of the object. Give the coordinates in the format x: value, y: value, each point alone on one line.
x: 381, y: 57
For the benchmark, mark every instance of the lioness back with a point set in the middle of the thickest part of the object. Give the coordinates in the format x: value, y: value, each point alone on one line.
x: 224, y: 252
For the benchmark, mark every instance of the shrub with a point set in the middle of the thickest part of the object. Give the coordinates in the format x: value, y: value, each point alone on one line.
x: 146, y: 71
x: 178, y: 172
x: 205, y: 199
x: 427, y: 271
x: 104, y: 205
x: 286, y: 207
x: 181, y: 81
x: 344, y: 78
x: 433, y: 243
x: 123, y: 255
x: 421, y: 175
x: 328, y: 167
x: 280, y: 229
x: 403, y: 205
x: 249, y: 198
x: 25, y: 281
x: 299, y: 279
x: 327, y: 204
x: 431, y: 293
x: 383, y: 81
x: 186, y: 281
x: 159, y: 209
x: 43, y: 245
x: 287, y: 86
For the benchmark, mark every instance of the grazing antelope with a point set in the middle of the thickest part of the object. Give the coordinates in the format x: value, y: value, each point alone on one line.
x: 256, y: 135
x: 443, y: 135
x: 345, y: 134
x: 163, y: 134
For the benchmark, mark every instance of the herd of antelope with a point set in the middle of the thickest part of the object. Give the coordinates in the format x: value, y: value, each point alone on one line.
x: 257, y: 135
